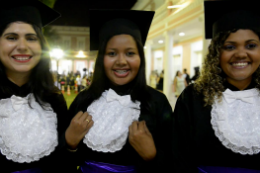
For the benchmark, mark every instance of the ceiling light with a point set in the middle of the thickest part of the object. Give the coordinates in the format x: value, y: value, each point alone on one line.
x: 160, y: 41
x: 181, y: 34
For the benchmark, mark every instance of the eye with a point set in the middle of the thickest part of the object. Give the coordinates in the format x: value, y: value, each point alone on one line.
x: 130, y: 53
x: 12, y: 38
x: 111, y: 53
x: 251, y: 45
x: 229, y: 47
x: 32, y: 38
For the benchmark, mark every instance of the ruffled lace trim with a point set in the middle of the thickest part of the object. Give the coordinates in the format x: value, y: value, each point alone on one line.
x: 112, y: 115
x: 236, y: 121
x: 26, y: 134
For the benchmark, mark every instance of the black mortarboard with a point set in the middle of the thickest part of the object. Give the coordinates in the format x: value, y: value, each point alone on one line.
x: 230, y: 14
x: 30, y: 11
x: 106, y: 23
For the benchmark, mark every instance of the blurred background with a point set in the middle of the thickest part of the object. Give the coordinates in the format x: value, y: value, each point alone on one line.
x: 175, y: 42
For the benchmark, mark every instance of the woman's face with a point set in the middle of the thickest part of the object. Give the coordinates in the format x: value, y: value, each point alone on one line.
x: 240, y: 55
x: 121, y: 60
x: 20, y: 48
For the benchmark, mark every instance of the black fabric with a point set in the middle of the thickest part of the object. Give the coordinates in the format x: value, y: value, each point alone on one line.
x: 158, y: 121
x: 57, y: 160
x: 106, y: 23
x: 195, y: 143
x: 225, y: 15
x: 30, y: 11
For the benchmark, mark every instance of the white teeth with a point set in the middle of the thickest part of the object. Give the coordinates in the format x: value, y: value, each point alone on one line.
x: 21, y: 58
x: 240, y: 64
x: 121, y: 71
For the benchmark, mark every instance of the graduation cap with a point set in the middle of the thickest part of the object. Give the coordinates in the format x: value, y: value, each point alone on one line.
x: 230, y: 14
x: 106, y: 23
x: 29, y: 11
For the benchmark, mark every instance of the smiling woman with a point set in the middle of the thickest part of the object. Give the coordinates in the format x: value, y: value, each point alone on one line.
x: 216, y: 119
x: 32, y: 109
x: 20, y: 49
x: 119, y: 124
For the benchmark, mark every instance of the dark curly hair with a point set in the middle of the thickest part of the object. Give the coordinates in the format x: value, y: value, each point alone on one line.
x: 210, y: 82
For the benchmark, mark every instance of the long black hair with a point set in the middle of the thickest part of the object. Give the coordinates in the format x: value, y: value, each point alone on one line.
x: 100, y: 82
x: 40, y: 80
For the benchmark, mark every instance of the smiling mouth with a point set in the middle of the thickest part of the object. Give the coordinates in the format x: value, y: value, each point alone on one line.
x: 121, y: 73
x: 22, y: 58
x: 240, y: 64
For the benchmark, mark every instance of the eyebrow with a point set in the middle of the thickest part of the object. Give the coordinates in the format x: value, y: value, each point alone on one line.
x: 126, y: 48
x: 245, y: 41
x: 13, y: 33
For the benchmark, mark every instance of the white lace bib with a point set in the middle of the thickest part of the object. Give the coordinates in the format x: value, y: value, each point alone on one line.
x: 26, y: 134
x: 236, y: 121
x: 112, y: 115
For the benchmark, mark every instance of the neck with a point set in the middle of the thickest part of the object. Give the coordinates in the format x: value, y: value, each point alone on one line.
x: 121, y: 89
x: 18, y: 78
x: 242, y: 84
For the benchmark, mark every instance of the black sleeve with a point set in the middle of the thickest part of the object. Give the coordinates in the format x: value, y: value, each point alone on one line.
x: 162, y: 134
x: 182, y: 147
x: 60, y: 160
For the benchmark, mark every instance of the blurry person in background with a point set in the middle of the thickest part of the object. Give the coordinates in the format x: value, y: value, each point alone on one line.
x: 160, y: 81
x: 179, y: 83
x: 196, y: 75
x: 186, y: 76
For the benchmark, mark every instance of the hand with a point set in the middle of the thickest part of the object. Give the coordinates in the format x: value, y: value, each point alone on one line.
x: 78, y: 128
x: 141, y: 140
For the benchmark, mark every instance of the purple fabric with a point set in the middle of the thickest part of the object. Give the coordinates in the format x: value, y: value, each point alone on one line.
x: 215, y: 169
x: 98, y: 167
x: 33, y: 170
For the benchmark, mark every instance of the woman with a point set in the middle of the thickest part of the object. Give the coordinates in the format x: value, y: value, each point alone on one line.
x: 179, y: 83
x: 32, y: 109
x: 216, y: 119
x: 125, y: 124
x: 160, y: 82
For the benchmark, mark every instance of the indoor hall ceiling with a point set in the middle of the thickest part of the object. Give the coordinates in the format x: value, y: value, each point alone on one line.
x: 75, y: 12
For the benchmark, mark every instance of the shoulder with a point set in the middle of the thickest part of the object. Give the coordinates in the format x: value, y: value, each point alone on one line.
x: 190, y: 96
x: 158, y: 99
x: 155, y: 94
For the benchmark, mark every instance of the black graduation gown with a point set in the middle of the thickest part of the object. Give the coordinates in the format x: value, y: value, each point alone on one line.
x: 194, y: 140
x: 158, y: 123
x: 49, y: 163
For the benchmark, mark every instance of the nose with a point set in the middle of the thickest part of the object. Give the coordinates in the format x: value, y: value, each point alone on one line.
x: 121, y: 60
x: 241, y: 53
x: 22, y: 45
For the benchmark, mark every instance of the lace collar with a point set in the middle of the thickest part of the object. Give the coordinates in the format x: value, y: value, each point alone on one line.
x: 112, y: 115
x: 27, y: 132
x: 236, y: 120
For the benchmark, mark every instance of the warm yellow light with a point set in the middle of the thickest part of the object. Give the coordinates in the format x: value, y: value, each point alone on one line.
x: 175, y: 6
x: 81, y: 54
x: 57, y: 53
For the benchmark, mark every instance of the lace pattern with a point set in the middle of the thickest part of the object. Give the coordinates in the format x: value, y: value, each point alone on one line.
x: 26, y: 134
x: 236, y: 121
x: 112, y: 115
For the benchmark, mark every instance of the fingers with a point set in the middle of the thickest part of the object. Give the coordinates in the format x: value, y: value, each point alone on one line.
x: 133, y: 127
x: 141, y: 126
x: 85, y: 118
x: 78, y: 115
